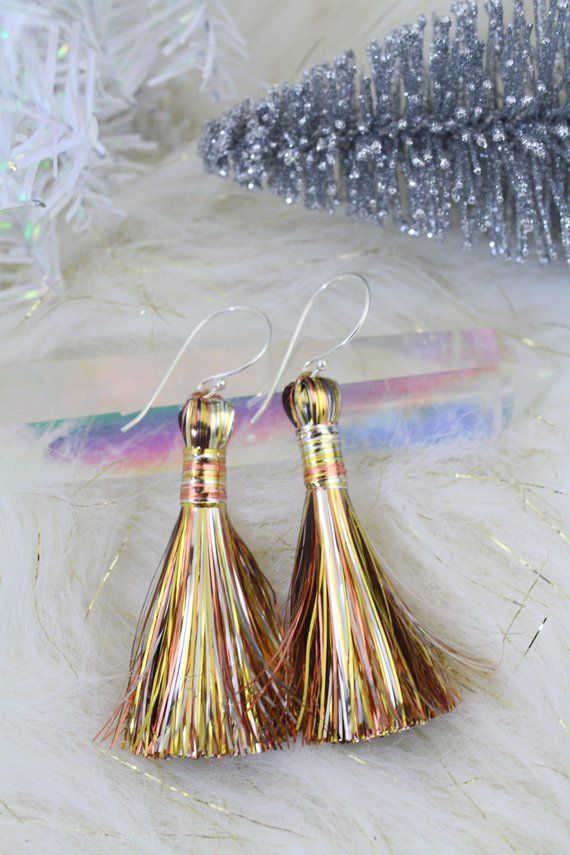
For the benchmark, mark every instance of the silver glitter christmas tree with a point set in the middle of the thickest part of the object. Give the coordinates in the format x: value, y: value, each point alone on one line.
x: 476, y: 133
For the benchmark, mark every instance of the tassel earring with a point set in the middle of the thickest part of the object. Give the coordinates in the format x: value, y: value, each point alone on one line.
x: 358, y: 664
x: 200, y: 683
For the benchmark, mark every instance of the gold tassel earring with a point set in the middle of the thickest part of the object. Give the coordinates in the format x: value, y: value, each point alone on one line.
x: 200, y: 684
x: 358, y: 664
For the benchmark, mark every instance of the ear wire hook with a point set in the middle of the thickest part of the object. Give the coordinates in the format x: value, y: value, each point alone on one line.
x: 219, y: 379
x: 320, y: 360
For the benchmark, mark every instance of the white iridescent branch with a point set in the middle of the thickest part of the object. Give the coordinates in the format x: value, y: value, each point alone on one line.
x: 75, y: 77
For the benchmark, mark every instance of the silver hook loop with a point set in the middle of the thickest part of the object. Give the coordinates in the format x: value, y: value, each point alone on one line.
x: 320, y: 359
x: 219, y: 379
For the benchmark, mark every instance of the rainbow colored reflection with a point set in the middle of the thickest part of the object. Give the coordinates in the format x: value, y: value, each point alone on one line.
x: 377, y: 414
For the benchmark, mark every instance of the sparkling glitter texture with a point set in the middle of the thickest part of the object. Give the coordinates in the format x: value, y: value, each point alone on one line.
x: 478, y: 134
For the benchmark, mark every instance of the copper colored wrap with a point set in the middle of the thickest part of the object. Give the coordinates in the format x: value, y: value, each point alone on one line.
x: 200, y: 682
x: 203, y: 477
x: 357, y: 662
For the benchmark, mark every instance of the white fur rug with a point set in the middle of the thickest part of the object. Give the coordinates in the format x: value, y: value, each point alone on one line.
x: 477, y: 533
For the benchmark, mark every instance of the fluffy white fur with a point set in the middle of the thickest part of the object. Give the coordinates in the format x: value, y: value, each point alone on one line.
x: 482, y: 559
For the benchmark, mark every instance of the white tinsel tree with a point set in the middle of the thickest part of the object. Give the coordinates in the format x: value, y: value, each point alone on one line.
x: 74, y: 78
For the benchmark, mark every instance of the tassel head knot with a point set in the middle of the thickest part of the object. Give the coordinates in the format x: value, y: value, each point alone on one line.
x: 206, y: 423
x: 313, y: 405
x: 310, y: 401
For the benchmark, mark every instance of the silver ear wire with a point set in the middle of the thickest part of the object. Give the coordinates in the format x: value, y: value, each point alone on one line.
x: 219, y: 379
x: 321, y: 358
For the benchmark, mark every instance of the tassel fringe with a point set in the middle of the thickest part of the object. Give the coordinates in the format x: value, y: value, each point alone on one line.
x: 366, y: 668
x: 359, y: 665
x: 199, y: 682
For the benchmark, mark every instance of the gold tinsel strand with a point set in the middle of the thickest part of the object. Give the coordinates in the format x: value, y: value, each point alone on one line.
x: 199, y: 681
x: 358, y: 663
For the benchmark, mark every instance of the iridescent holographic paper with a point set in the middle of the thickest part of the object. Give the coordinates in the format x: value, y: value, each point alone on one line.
x: 417, y: 388
x: 380, y: 414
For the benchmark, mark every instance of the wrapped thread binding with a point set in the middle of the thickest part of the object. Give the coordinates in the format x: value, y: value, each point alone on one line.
x: 199, y: 682
x: 358, y: 663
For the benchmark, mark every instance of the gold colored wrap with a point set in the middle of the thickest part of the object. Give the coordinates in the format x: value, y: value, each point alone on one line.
x: 358, y: 664
x: 199, y: 680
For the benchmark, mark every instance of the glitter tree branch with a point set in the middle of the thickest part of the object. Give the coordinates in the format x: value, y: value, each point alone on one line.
x: 476, y: 133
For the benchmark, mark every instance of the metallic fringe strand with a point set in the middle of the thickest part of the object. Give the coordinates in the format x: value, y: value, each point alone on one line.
x: 476, y: 133
x: 199, y: 682
x: 358, y: 664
